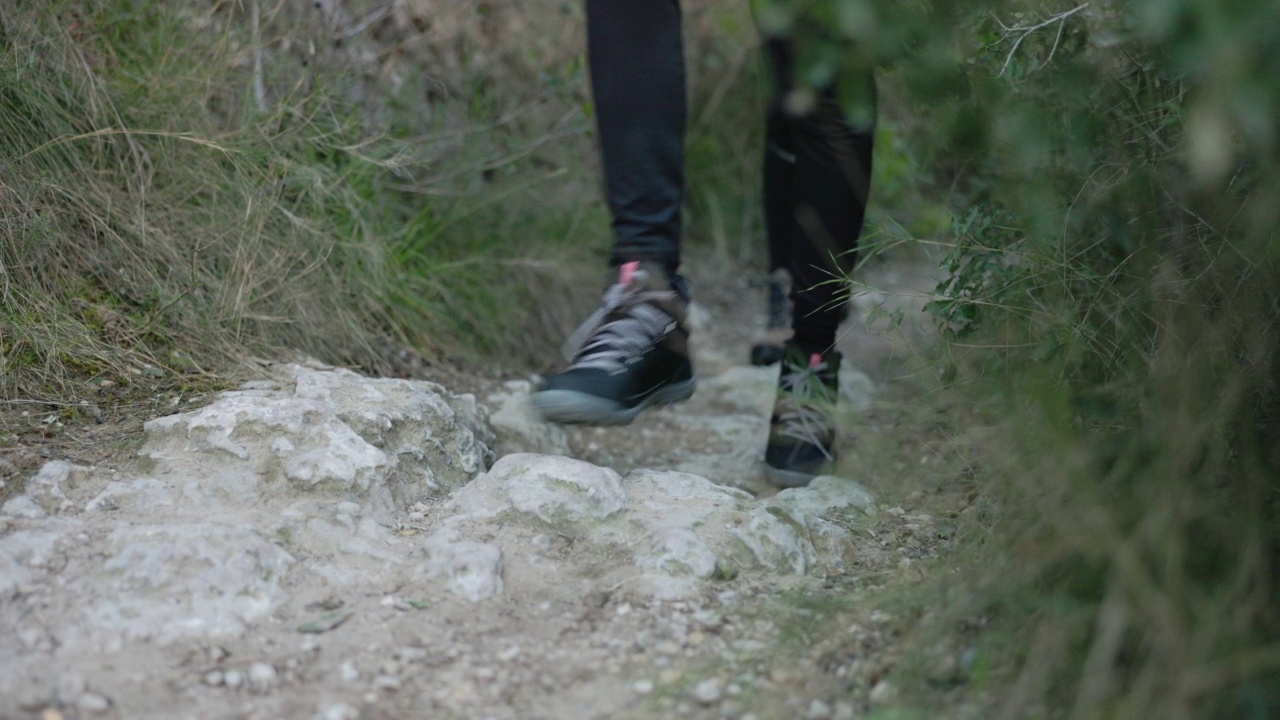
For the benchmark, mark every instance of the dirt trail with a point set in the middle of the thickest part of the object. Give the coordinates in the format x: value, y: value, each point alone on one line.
x: 317, y: 544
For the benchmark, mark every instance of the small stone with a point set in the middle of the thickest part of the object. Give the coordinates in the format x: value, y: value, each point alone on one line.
x: 642, y: 687
x: 348, y: 671
x: 708, y: 692
x: 509, y: 654
x: 623, y: 609
x: 667, y: 647
x: 781, y: 676
x: 390, y: 667
x: 733, y: 690
x: 262, y: 676
x: 485, y: 674
x: 696, y: 638
x: 411, y: 653
x: 709, y: 620
x: 388, y: 683
x: 232, y: 679
x: 818, y: 710
x: 34, y: 638
x: 213, y: 678
x: 670, y: 676
x: 341, y: 711
x: 882, y: 693
x: 843, y: 711
x: 51, y: 714
x: 92, y: 703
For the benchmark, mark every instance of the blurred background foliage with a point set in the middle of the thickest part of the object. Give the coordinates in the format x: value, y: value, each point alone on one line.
x: 184, y: 185
x: 1109, y: 305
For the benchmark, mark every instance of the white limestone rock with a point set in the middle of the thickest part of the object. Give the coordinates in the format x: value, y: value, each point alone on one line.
x: 25, y: 558
x: 164, y: 583
x: 326, y: 431
x: 47, y: 490
x: 697, y: 528
x: 564, y: 494
x: 468, y: 569
x: 518, y: 426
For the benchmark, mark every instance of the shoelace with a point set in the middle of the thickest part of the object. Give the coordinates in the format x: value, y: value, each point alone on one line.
x: 628, y: 322
x: 803, y: 410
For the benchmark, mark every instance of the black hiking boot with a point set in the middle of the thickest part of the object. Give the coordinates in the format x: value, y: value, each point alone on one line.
x: 631, y: 353
x: 766, y: 348
x: 802, y: 430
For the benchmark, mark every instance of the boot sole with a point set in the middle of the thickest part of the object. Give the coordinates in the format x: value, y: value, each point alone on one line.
x: 571, y: 407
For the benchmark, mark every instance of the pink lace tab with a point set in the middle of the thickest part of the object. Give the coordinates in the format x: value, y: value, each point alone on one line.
x: 628, y: 271
x: 815, y: 360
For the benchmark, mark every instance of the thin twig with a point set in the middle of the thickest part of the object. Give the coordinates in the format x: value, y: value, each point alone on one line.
x: 1027, y: 30
x: 363, y: 24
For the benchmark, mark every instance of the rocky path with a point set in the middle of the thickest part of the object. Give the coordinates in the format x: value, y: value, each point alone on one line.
x: 318, y: 544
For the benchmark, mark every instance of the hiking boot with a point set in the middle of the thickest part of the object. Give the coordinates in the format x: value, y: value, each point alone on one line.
x: 802, y: 430
x: 631, y: 353
x: 766, y: 348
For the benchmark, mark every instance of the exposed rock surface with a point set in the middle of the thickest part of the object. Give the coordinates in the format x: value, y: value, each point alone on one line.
x: 324, y: 544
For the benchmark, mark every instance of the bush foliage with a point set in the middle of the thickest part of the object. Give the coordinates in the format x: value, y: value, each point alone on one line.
x: 1111, y: 300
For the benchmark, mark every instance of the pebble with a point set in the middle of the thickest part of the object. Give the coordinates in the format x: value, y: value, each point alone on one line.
x: 844, y: 711
x: 667, y: 647
x: 509, y: 654
x: 389, y: 683
x: 882, y: 693
x: 262, y: 676
x: 348, y: 671
x: 818, y: 710
x: 781, y: 676
x: 642, y: 687
x: 709, y: 620
x: 92, y: 703
x: 232, y: 678
x: 213, y: 678
x: 670, y: 676
x: 341, y: 711
x: 708, y: 691
x: 410, y: 654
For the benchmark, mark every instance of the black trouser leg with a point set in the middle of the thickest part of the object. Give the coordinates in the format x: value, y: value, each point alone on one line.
x: 817, y: 178
x: 637, y: 78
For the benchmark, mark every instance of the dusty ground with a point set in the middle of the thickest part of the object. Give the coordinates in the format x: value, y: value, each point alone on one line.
x: 764, y: 647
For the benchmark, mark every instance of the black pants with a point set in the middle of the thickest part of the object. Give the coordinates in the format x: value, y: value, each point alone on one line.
x: 817, y: 169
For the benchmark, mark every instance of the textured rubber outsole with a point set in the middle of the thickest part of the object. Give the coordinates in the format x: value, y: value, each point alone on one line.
x: 571, y: 407
x: 765, y: 354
